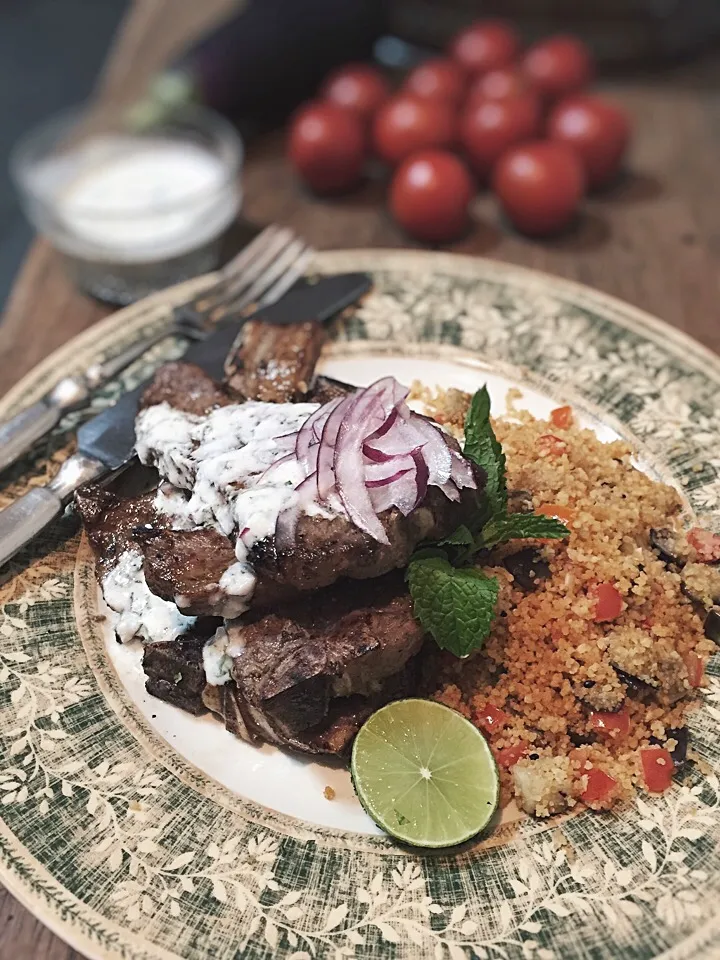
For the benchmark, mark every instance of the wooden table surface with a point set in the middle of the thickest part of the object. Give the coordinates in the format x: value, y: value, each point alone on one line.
x: 654, y: 241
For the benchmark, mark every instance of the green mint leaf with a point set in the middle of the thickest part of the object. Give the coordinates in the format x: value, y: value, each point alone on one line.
x: 462, y: 537
x: 482, y: 446
x: 521, y: 526
x: 422, y: 553
x: 456, y: 606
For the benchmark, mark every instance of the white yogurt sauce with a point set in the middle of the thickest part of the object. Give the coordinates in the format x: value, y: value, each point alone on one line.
x: 217, y: 467
x: 138, y: 199
x: 136, y: 611
x: 218, y: 655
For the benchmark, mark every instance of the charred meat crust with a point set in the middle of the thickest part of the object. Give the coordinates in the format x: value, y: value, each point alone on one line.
x: 335, y: 733
x: 327, y: 549
x: 186, y: 566
x: 275, y: 363
x: 113, y: 523
x: 307, y: 678
x: 175, y: 671
x: 185, y: 387
x: 325, y: 389
x: 347, y: 642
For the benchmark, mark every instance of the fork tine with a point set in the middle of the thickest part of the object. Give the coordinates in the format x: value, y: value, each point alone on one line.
x: 274, y: 273
x: 243, y: 258
x: 239, y: 263
x: 281, y: 286
x: 260, y: 263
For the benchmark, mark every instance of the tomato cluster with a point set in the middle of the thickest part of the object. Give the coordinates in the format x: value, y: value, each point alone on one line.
x: 487, y: 113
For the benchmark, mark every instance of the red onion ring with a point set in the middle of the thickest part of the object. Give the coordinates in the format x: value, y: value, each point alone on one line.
x: 371, y: 453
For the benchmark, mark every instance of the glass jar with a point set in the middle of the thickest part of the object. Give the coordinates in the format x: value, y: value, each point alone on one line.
x: 131, y: 211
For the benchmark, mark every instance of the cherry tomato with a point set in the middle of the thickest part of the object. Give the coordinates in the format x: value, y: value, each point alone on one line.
x: 508, y: 756
x: 557, y: 511
x: 505, y: 83
x: 559, y: 65
x: 561, y: 417
x: 484, y: 46
x: 551, y: 446
x: 695, y: 668
x: 406, y: 124
x: 437, y: 79
x: 327, y: 147
x: 540, y: 186
x: 610, y: 724
x: 608, y: 602
x: 599, y: 786
x: 657, y: 767
x: 705, y: 544
x: 358, y: 87
x: 598, y: 131
x: 489, y: 127
x: 430, y: 194
x: 491, y: 718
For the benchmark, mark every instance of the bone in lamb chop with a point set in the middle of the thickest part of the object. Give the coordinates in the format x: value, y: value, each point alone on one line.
x: 301, y: 675
x: 305, y: 676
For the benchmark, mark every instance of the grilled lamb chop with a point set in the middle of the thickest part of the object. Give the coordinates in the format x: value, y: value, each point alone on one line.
x: 347, y: 641
x: 185, y: 387
x: 327, y: 549
x: 332, y: 735
x: 274, y: 363
x: 185, y: 566
x: 113, y: 523
x: 307, y: 678
x: 175, y: 671
x: 277, y: 377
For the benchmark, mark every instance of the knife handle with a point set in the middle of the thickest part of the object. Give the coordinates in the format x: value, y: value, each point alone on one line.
x: 28, y: 516
x: 22, y: 431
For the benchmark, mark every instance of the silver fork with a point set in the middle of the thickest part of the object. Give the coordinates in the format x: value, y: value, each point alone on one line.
x: 257, y: 276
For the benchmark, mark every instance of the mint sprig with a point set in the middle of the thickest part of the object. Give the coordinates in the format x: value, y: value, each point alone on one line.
x: 455, y: 605
x: 454, y: 602
x: 483, y: 447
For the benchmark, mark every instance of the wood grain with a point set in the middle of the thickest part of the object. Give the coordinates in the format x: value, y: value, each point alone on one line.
x: 654, y: 241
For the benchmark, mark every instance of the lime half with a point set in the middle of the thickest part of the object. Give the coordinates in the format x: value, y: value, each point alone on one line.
x: 425, y: 774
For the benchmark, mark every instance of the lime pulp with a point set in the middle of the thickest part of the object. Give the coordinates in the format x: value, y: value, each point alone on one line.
x: 425, y: 774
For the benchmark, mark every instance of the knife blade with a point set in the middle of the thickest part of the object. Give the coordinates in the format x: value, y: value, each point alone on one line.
x: 106, y: 442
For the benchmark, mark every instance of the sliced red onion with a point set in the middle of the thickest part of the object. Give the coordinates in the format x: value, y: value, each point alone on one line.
x: 381, y: 431
x: 436, y: 451
x: 276, y: 463
x: 285, y: 444
x: 381, y: 471
x: 285, y: 528
x: 422, y: 479
x: 308, y: 435
x: 461, y: 473
x: 364, y: 416
x: 378, y: 456
x: 287, y: 521
x: 450, y: 491
x: 326, y: 453
x: 384, y: 481
x: 400, y: 494
x: 368, y: 452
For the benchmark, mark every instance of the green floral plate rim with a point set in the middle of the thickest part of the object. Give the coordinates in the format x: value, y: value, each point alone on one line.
x: 127, y: 851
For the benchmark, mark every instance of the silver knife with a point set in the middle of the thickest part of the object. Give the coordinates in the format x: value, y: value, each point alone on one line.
x: 20, y: 433
x: 107, y: 442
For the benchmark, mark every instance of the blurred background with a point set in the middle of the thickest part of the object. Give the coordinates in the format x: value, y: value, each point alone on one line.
x: 50, y: 54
